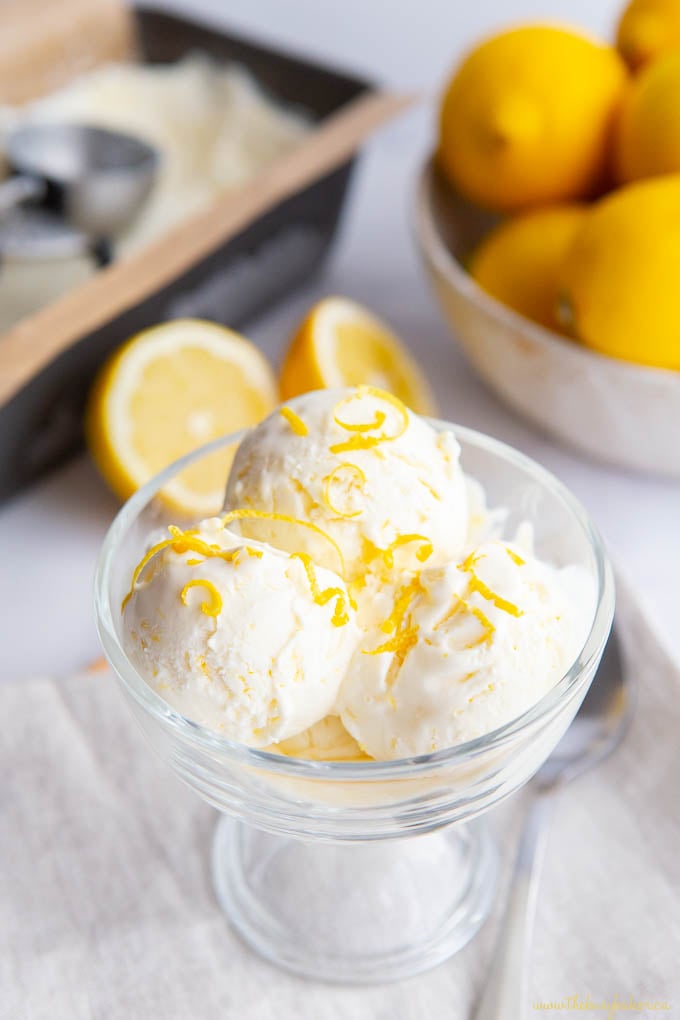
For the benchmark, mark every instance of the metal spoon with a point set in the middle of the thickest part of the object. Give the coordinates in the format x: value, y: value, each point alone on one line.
x: 598, y: 727
x: 97, y: 179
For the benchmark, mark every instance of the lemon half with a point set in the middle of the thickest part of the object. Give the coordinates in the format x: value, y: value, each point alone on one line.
x: 341, y: 343
x: 167, y: 391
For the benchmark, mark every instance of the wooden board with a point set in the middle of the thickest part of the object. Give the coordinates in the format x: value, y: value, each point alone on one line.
x: 44, y: 44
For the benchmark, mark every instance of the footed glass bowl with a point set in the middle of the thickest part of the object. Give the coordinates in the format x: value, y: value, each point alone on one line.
x: 362, y: 871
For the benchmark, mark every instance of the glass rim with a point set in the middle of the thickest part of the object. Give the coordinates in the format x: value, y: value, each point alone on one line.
x: 398, y: 768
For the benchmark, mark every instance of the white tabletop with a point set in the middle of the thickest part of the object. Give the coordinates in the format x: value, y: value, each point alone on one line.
x: 49, y: 536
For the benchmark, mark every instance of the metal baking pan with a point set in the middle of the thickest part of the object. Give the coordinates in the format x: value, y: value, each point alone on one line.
x: 41, y: 424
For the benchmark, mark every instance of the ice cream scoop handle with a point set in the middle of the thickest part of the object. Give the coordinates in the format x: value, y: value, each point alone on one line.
x: 18, y: 189
x: 504, y: 996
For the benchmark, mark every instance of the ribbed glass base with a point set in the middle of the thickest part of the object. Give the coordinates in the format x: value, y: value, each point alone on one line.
x: 356, y: 913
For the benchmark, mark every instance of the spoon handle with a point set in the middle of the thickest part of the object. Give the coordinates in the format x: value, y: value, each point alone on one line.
x: 16, y: 190
x: 505, y: 992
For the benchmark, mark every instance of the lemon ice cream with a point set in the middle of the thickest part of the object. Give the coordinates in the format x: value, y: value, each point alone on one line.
x: 355, y: 598
x: 242, y: 638
x: 377, y: 482
x: 327, y: 740
x: 467, y: 647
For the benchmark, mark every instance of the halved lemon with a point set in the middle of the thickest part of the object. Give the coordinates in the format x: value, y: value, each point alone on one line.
x: 341, y: 343
x: 168, y: 390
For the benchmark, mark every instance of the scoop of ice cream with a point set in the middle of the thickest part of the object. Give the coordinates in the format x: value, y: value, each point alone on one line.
x: 242, y: 638
x: 375, y: 482
x: 466, y: 648
x: 327, y: 740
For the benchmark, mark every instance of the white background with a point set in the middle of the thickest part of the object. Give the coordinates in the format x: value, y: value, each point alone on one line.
x: 50, y: 536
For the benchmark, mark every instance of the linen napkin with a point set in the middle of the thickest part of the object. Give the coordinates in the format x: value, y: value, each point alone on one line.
x: 107, y: 910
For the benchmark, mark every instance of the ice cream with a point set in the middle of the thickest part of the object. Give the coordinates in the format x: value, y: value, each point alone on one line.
x: 214, y: 128
x: 327, y: 740
x: 467, y: 647
x: 242, y: 638
x: 355, y: 599
x: 376, y: 481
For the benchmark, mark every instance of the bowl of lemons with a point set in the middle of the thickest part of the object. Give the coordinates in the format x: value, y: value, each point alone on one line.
x: 548, y: 220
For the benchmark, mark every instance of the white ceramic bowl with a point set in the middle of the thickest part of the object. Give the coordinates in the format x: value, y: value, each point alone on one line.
x: 613, y: 410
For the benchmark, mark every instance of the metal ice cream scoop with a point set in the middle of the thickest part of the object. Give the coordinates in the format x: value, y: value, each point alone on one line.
x: 95, y: 178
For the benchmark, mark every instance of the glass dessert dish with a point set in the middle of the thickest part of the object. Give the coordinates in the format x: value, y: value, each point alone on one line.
x: 362, y: 871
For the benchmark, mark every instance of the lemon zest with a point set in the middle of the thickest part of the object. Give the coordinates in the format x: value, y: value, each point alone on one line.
x: 367, y: 426
x: 456, y: 606
x: 294, y: 420
x: 488, y: 628
x: 470, y: 561
x: 245, y: 514
x: 475, y: 584
x: 403, y: 600
x: 136, y: 573
x: 515, y: 557
x: 182, y: 542
x: 328, y: 481
x: 400, y: 643
x: 362, y: 441
x: 340, y: 615
x: 422, y: 554
x: 460, y: 605
x: 431, y: 489
x: 468, y: 676
x: 211, y: 607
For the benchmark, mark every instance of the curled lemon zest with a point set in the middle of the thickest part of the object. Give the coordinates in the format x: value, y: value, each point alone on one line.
x: 137, y: 572
x: 367, y: 426
x: 213, y: 605
x: 340, y: 615
x: 515, y: 557
x: 422, y: 554
x: 362, y: 441
x: 182, y: 542
x: 328, y: 481
x: 294, y: 420
x: 246, y: 514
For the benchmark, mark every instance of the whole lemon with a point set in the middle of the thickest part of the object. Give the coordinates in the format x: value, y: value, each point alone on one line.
x: 648, y: 134
x: 619, y: 282
x: 648, y: 28
x: 526, y: 118
x: 518, y: 263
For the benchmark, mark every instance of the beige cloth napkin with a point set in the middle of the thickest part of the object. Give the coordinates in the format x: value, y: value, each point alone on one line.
x: 107, y: 912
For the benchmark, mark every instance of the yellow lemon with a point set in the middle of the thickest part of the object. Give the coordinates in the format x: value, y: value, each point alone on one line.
x: 648, y: 136
x: 526, y: 118
x: 167, y: 391
x: 341, y: 343
x: 648, y: 28
x: 619, y: 281
x: 518, y: 263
